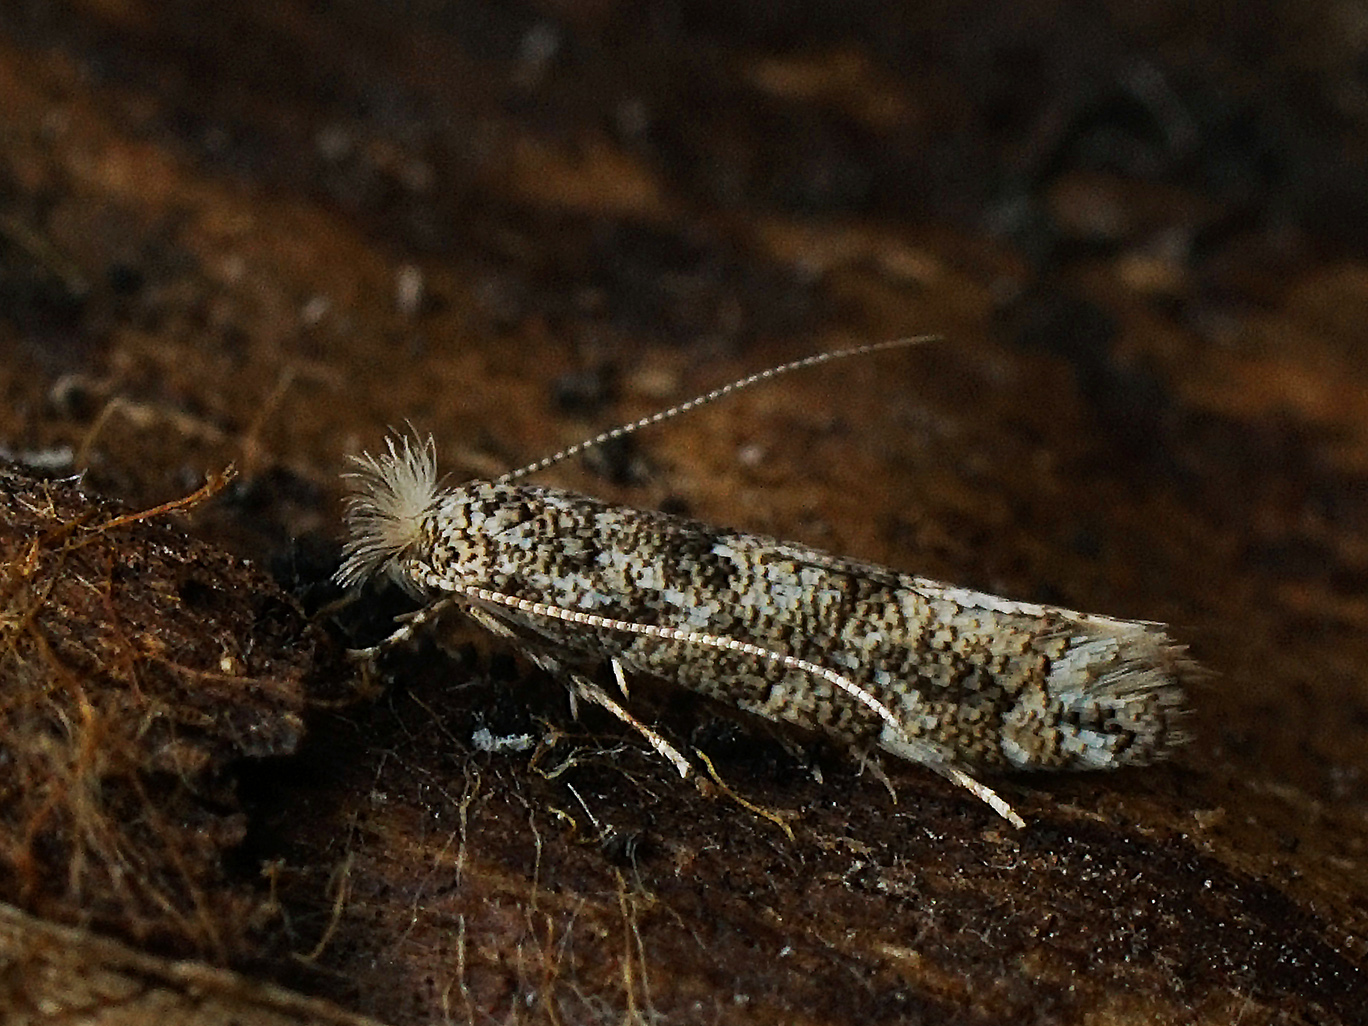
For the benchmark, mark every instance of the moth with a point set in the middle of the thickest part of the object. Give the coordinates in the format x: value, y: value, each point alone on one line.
x: 952, y: 679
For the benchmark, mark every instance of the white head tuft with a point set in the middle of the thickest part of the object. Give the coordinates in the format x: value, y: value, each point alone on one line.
x: 391, y: 494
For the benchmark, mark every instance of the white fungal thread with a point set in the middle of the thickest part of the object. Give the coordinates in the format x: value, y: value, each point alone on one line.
x: 952, y: 679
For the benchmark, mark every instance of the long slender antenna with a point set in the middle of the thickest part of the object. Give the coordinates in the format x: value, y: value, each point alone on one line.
x: 708, y: 397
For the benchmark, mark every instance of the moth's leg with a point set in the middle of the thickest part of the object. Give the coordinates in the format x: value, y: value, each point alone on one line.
x: 490, y: 622
x: 934, y: 758
x: 548, y: 664
x: 369, y: 658
x: 979, y: 790
x: 620, y: 675
x: 591, y: 692
x: 580, y: 686
x: 870, y: 761
x: 594, y: 693
x: 408, y: 626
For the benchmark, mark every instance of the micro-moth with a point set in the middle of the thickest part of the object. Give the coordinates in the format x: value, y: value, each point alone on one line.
x: 955, y: 680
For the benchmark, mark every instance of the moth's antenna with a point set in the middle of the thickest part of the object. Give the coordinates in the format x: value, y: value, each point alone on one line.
x: 708, y: 397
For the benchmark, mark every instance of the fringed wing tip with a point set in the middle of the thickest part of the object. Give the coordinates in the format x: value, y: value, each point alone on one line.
x: 391, y: 494
x: 1156, y: 678
x: 1124, y: 685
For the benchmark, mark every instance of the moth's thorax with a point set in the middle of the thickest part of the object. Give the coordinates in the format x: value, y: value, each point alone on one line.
x: 481, y: 533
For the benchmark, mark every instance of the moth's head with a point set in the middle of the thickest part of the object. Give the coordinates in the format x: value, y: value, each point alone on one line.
x: 391, y: 496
